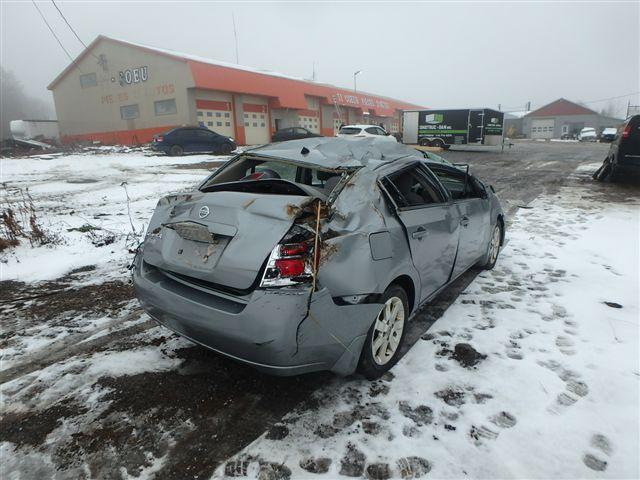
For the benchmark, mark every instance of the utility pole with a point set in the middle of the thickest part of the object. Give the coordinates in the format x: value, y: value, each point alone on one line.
x: 355, y: 74
x: 235, y: 34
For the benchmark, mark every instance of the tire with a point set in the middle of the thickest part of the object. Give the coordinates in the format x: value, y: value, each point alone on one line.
x: 606, y: 173
x: 176, y: 151
x: 226, y: 149
x: 371, y: 365
x: 437, y: 143
x: 424, y: 142
x: 493, y: 249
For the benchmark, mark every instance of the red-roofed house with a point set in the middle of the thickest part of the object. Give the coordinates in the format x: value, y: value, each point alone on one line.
x: 124, y: 92
x: 563, y: 118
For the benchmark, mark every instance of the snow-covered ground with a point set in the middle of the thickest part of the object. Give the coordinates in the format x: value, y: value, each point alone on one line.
x: 89, y: 189
x: 72, y: 192
x: 557, y: 395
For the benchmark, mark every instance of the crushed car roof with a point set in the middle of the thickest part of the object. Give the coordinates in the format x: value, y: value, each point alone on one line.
x: 335, y: 153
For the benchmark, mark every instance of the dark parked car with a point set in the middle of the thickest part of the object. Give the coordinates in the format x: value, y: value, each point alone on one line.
x: 183, y: 140
x: 293, y: 133
x: 624, y: 153
x: 313, y: 254
x: 608, y: 134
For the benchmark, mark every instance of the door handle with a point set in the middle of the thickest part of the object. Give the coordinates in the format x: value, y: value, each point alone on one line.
x: 419, y: 233
x: 464, y: 221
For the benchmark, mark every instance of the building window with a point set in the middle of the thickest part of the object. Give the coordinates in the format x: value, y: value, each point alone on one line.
x: 255, y: 116
x: 255, y: 124
x: 165, y: 107
x: 200, y: 114
x: 218, y: 124
x: 210, y: 124
x: 246, y: 124
x: 129, y: 112
x: 88, y: 80
x: 226, y: 115
x: 246, y: 115
x: 208, y: 114
x: 262, y: 124
x: 227, y: 124
x: 218, y: 114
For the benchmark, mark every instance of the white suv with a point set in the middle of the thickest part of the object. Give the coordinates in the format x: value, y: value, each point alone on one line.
x: 359, y: 131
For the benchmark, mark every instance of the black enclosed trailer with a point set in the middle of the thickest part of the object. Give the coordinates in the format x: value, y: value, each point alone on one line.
x: 443, y: 128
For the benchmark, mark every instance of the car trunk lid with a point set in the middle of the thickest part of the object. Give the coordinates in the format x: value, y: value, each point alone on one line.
x: 220, y: 237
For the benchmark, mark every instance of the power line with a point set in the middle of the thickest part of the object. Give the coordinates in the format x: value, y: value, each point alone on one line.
x: 68, y: 24
x: 613, y: 98
x: 53, y: 33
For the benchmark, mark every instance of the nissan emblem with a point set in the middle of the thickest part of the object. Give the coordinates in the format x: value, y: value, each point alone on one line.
x: 204, y: 212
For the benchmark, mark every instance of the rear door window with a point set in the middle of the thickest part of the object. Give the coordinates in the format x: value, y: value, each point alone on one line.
x: 350, y: 131
x: 413, y: 187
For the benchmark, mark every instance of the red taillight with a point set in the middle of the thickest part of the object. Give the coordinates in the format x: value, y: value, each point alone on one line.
x: 293, y: 249
x: 290, y: 267
x: 626, y: 132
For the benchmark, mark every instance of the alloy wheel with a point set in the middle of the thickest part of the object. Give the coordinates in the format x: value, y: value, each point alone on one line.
x: 388, y: 331
x: 494, y: 247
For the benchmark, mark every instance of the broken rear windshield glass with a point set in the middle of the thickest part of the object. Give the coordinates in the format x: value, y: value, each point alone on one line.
x: 255, y: 170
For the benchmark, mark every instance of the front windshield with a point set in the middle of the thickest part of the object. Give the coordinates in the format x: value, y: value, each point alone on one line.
x: 437, y: 158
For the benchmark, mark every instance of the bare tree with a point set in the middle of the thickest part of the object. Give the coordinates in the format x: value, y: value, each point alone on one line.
x: 609, y: 110
x: 16, y: 104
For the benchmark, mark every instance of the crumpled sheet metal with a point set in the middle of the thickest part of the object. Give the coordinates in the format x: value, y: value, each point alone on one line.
x: 337, y: 153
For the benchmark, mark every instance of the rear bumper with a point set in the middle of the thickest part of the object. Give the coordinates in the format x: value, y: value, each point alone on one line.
x: 268, y: 329
x: 158, y: 147
x: 628, y: 162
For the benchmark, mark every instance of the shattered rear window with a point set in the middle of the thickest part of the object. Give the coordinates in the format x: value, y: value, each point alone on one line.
x: 252, y: 170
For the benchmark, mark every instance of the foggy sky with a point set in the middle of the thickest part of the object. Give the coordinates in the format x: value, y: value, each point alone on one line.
x: 432, y: 54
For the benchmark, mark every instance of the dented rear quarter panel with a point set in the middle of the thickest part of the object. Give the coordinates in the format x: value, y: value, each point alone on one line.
x: 349, y: 268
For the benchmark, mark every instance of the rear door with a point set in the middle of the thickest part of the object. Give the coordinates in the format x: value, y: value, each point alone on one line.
x: 473, y: 209
x: 189, y: 140
x: 431, y: 224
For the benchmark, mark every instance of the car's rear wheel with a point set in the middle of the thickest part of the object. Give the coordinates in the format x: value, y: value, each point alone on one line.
x: 176, y: 151
x: 437, y: 143
x: 493, y: 250
x: 226, y: 148
x: 382, y: 347
x: 424, y: 142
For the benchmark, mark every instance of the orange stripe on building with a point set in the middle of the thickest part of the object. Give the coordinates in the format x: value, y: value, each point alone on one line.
x: 254, y: 108
x: 213, y: 105
x: 121, y: 137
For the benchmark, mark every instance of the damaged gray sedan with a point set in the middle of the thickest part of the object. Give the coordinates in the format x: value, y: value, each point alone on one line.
x: 312, y: 254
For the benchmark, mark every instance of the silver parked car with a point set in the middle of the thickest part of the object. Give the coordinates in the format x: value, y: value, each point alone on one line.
x: 312, y: 254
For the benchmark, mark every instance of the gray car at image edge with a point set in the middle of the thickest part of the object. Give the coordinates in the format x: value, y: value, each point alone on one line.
x: 313, y: 254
